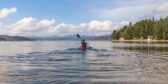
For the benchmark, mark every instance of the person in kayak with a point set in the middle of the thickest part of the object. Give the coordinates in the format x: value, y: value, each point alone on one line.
x: 84, y: 44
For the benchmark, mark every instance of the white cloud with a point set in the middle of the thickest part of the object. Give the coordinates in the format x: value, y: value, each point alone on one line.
x: 31, y: 26
x: 123, y: 11
x: 162, y: 8
x: 131, y: 12
x: 34, y: 27
x: 96, y: 27
x: 4, y: 30
x: 6, y: 12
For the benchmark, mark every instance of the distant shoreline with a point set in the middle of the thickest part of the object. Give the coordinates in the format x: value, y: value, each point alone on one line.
x: 143, y: 41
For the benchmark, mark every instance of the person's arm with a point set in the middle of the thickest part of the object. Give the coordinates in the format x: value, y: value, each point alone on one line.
x: 87, y: 44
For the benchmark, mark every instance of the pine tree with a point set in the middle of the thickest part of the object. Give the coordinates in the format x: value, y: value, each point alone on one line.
x: 142, y: 29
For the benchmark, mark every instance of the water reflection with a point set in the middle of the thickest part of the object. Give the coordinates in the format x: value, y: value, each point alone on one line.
x: 158, y: 47
x: 144, y: 48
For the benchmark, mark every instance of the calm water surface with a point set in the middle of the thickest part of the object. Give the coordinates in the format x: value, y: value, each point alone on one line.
x: 62, y: 62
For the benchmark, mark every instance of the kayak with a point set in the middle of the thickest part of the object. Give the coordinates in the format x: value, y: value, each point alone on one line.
x: 83, y: 47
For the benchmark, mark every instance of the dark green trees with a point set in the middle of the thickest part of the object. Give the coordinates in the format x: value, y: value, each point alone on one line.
x: 141, y: 30
x: 115, y: 35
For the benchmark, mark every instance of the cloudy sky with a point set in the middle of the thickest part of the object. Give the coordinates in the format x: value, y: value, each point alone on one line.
x: 66, y: 17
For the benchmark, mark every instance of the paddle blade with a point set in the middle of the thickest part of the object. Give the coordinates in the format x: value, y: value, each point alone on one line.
x: 90, y: 47
x: 78, y: 35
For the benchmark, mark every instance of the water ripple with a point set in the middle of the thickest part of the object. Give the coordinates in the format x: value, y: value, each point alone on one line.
x: 93, y: 66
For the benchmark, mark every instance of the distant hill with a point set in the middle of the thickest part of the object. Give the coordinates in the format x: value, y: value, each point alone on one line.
x: 14, y: 38
x: 52, y: 38
x: 72, y: 37
x: 105, y: 37
x: 68, y: 37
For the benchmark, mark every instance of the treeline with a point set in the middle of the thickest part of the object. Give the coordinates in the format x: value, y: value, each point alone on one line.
x: 155, y: 29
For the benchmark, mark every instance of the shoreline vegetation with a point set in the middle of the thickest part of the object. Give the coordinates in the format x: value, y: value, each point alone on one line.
x: 148, y: 30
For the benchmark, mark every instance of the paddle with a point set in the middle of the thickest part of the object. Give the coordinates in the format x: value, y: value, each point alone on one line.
x: 80, y: 38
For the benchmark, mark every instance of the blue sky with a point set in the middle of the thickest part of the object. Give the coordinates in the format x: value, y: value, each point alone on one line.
x: 91, y: 16
x: 68, y: 11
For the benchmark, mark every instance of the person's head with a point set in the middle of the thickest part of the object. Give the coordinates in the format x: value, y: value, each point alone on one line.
x: 83, y: 40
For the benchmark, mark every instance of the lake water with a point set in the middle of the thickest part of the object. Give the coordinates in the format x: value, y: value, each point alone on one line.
x: 62, y: 62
